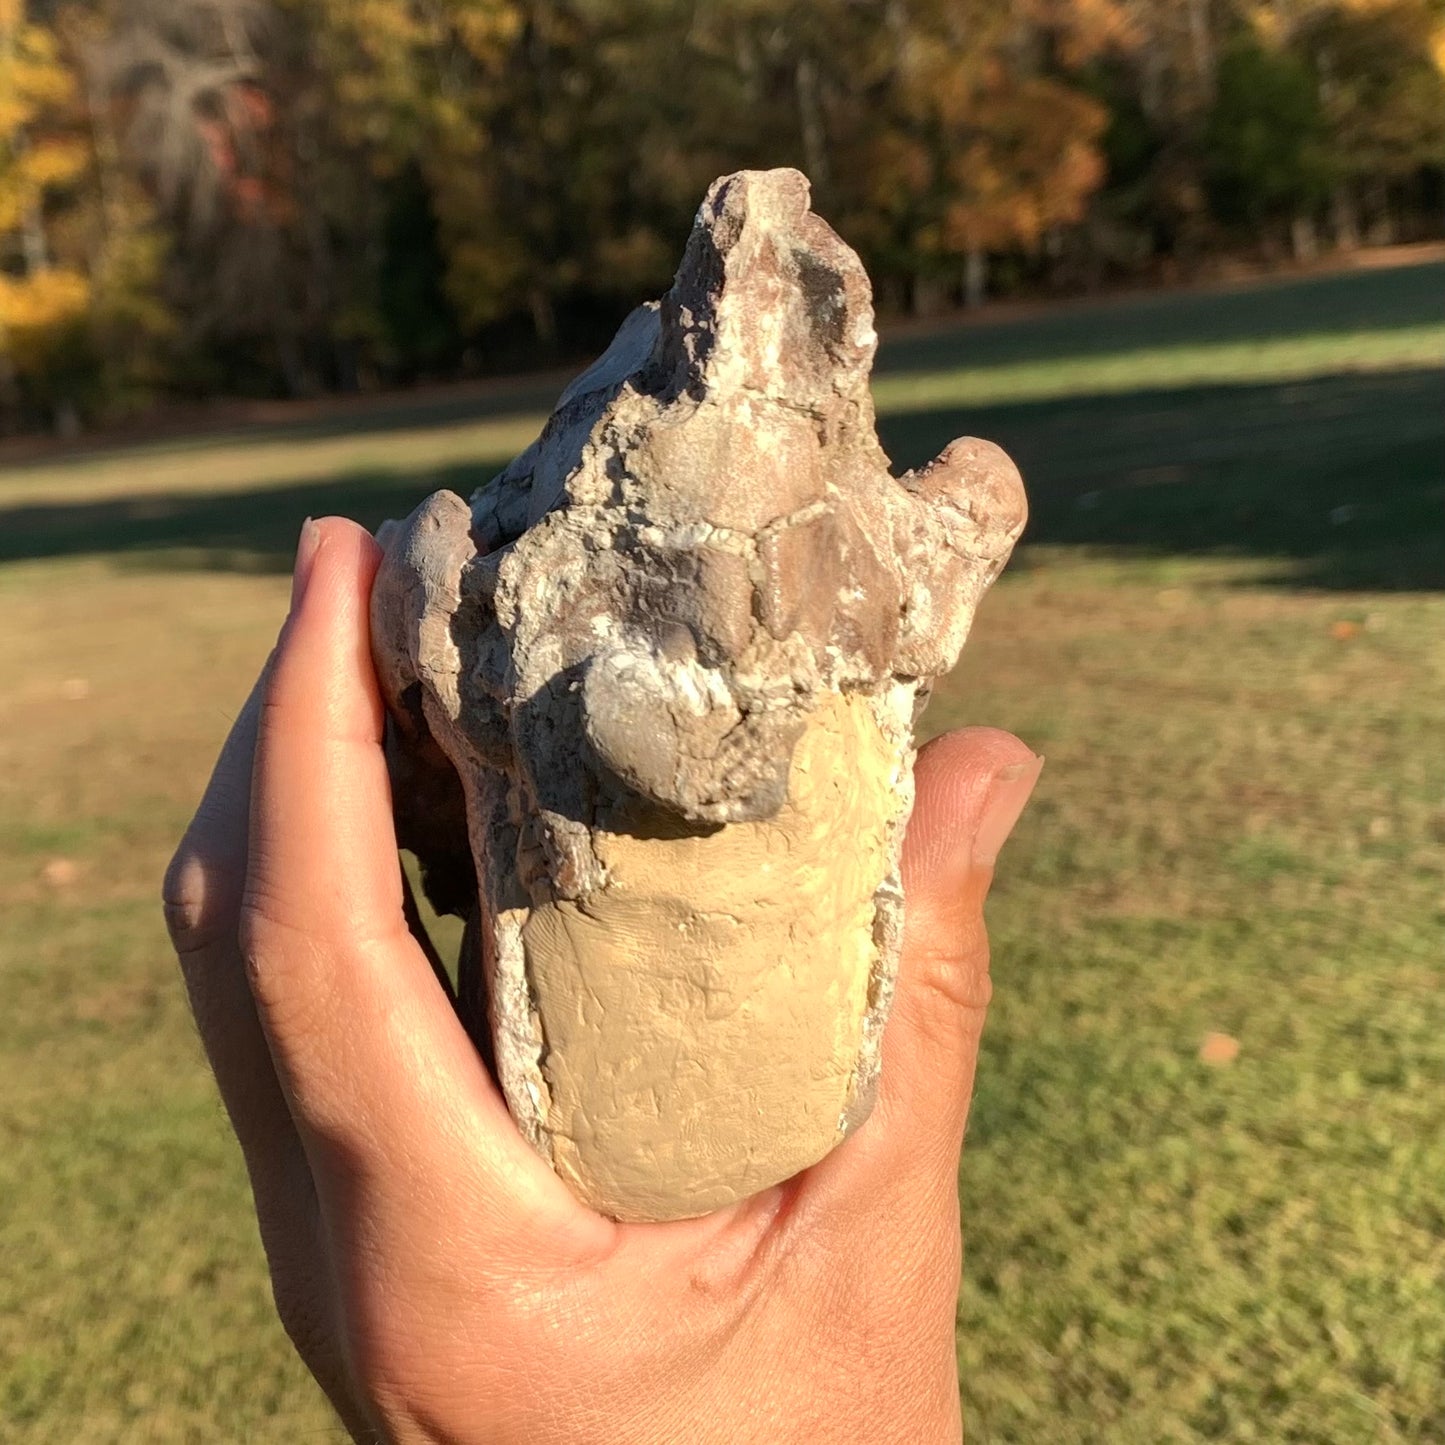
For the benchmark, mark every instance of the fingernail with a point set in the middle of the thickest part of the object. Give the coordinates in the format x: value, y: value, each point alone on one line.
x: 306, y: 548
x: 1008, y: 794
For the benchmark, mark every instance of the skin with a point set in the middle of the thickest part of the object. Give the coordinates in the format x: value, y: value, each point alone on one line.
x: 437, y: 1278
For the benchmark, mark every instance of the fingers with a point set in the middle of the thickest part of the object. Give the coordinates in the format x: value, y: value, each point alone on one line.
x: 380, y: 1075
x: 202, y: 895
x: 971, y: 785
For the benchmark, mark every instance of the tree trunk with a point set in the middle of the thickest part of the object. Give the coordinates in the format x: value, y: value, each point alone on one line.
x: 65, y: 417
x: 1381, y: 229
x: 32, y: 236
x: 288, y: 356
x: 10, y: 413
x: 1345, y: 218
x: 1303, y: 239
x: 544, y: 315
x: 975, y: 277
x: 107, y: 156
x: 1201, y: 46
x: 929, y: 296
x: 321, y: 299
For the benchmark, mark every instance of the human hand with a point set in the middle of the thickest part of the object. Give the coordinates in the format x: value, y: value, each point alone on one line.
x: 438, y: 1279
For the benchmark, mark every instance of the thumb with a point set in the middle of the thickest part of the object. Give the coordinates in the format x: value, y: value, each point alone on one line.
x: 971, y: 786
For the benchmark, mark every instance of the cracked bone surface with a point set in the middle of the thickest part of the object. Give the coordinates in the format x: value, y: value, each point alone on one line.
x: 652, y: 695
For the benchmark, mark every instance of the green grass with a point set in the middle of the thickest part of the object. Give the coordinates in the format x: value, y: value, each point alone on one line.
x: 1165, y: 367
x: 1241, y: 828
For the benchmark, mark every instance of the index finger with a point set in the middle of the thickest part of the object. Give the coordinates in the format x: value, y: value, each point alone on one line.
x: 202, y: 895
x: 382, y: 1079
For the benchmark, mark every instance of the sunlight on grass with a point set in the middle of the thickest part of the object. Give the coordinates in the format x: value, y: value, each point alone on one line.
x: 234, y: 464
x: 1164, y: 368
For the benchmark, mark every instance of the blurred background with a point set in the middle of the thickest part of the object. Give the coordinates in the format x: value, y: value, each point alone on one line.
x: 289, y: 197
x: 261, y: 259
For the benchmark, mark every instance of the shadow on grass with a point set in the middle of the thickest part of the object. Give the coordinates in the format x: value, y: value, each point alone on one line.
x: 1341, y: 479
x: 251, y: 531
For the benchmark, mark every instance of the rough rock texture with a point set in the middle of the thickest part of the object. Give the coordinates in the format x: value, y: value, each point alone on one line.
x: 653, y: 693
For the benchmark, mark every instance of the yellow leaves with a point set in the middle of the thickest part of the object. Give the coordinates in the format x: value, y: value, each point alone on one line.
x: 459, y: 130
x: 1269, y: 24
x: 392, y: 35
x: 380, y: 28
x: 53, y: 162
x: 44, y: 151
x: 486, y: 27
x: 34, y: 308
x: 36, y: 92
x: 32, y: 76
x: 125, y: 282
x: 37, y: 167
x: 402, y: 72
x: 1279, y: 25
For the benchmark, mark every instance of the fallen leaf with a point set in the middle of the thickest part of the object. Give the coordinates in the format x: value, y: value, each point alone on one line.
x: 1219, y: 1050
x: 60, y: 872
x: 1343, y: 629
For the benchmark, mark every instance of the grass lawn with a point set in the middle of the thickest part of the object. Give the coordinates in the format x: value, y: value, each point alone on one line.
x: 1226, y: 631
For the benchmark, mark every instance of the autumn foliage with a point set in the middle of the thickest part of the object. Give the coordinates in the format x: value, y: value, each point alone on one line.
x: 280, y: 196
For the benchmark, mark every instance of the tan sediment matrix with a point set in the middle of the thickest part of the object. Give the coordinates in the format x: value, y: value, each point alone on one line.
x: 651, y: 697
x: 760, y: 937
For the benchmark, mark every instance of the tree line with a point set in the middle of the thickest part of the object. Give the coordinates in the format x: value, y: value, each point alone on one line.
x: 289, y: 196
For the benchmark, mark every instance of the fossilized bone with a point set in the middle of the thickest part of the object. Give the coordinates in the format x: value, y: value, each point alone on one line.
x: 653, y: 695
